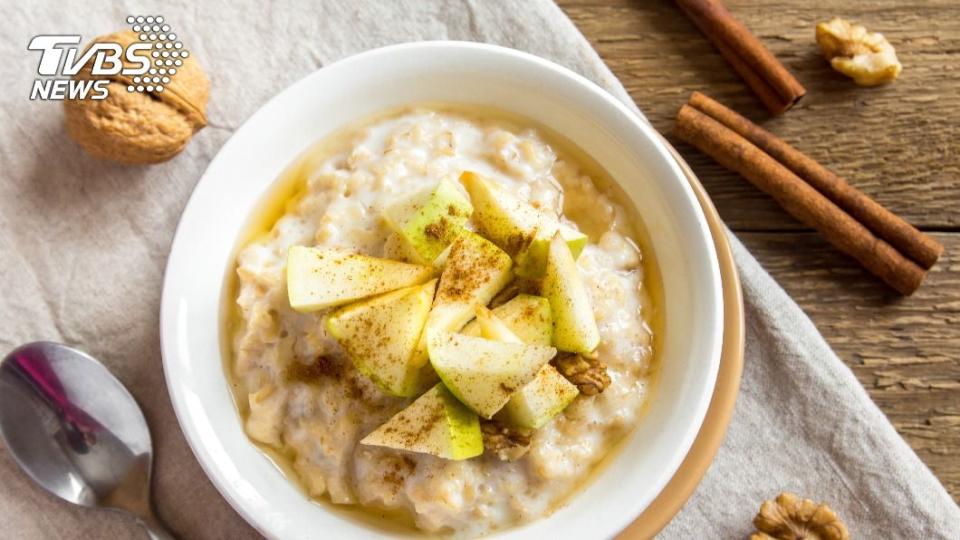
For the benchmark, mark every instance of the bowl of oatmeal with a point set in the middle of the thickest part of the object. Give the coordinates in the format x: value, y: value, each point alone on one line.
x: 442, y: 289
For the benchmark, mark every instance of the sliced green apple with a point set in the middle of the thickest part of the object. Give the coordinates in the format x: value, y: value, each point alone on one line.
x: 539, y: 400
x: 396, y: 248
x: 436, y: 424
x: 574, y: 327
x: 319, y: 277
x: 428, y: 221
x: 474, y: 272
x: 482, y: 373
x: 516, y: 226
x: 491, y: 327
x: 534, y: 404
x: 526, y: 315
x: 380, y: 335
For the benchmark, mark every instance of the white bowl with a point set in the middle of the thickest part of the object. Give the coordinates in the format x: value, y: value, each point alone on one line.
x: 357, y: 87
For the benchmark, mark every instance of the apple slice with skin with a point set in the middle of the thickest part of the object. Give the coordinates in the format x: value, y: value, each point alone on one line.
x: 538, y: 401
x: 320, y: 277
x: 534, y: 405
x: 381, y: 334
x: 436, y: 424
x: 525, y: 315
x: 475, y: 271
x: 491, y: 327
x: 396, y: 248
x: 428, y: 221
x: 483, y: 373
x: 574, y: 326
x: 516, y: 226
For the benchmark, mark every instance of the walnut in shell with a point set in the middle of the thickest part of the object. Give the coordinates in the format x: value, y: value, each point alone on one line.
x: 135, y: 127
x: 866, y: 57
x: 791, y: 518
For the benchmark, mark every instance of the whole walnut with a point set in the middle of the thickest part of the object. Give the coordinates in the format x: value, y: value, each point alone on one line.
x: 139, y: 127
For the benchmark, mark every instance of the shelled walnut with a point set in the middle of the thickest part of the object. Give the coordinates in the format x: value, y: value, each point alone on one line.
x: 866, y: 57
x: 505, y: 442
x: 589, y: 374
x: 789, y: 517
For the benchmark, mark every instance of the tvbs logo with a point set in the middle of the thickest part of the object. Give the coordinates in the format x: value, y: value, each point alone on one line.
x: 146, y: 65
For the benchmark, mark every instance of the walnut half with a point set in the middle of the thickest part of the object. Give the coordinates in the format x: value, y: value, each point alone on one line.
x: 866, y: 57
x: 505, y: 442
x: 793, y: 518
x: 589, y: 374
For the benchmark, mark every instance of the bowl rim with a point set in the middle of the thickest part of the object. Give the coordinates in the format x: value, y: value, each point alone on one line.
x: 658, y: 514
x: 170, y: 341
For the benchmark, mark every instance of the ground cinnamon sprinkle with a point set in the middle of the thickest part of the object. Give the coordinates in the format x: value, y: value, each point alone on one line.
x: 340, y: 259
x: 351, y: 389
x: 436, y: 230
x: 432, y: 231
x: 518, y: 242
x: 410, y: 434
x: 454, y: 289
x: 465, y: 271
x: 398, y: 471
x: 322, y: 366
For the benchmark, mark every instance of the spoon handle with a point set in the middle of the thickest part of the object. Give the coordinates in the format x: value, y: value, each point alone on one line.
x: 155, y: 529
x: 157, y: 533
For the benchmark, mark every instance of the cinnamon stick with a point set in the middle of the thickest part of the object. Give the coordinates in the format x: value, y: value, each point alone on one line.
x: 799, y: 198
x: 776, y: 87
x: 906, y: 238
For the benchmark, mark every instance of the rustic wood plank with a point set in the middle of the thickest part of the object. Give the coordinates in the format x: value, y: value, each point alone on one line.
x: 903, y: 350
x: 897, y: 143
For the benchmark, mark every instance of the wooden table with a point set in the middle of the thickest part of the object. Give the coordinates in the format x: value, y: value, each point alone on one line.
x: 899, y: 143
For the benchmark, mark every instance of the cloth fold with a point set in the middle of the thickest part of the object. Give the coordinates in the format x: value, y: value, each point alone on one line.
x: 83, y: 245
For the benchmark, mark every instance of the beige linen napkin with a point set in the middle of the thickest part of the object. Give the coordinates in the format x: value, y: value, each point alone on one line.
x: 83, y: 245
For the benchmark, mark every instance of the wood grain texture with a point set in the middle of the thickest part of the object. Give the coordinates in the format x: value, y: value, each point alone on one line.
x: 899, y: 143
x: 903, y: 350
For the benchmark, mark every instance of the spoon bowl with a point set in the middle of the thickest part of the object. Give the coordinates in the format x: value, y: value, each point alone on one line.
x: 77, y: 431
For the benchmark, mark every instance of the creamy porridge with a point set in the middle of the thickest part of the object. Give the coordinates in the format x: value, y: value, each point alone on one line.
x: 301, y: 393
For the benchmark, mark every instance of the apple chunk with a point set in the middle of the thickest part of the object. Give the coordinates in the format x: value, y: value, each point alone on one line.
x: 491, y: 327
x: 436, y: 424
x: 574, y: 327
x: 483, y: 373
x: 475, y: 271
x: 525, y: 315
x: 516, y: 226
x: 319, y: 277
x: 546, y: 396
x: 380, y: 335
x: 428, y: 221
x: 538, y: 401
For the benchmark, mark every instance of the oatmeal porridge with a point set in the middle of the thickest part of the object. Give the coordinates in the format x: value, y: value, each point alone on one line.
x: 374, y: 275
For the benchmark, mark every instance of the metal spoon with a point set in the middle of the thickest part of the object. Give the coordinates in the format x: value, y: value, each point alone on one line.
x: 75, y: 429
